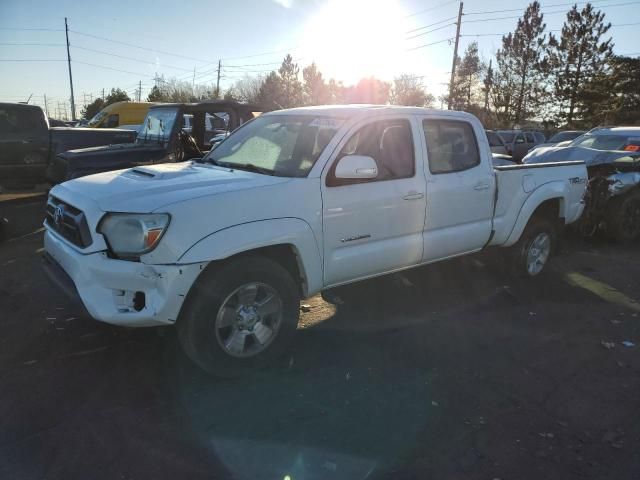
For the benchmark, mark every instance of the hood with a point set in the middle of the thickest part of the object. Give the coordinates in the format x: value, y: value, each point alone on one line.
x: 588, y: 155
x: 148, y: 188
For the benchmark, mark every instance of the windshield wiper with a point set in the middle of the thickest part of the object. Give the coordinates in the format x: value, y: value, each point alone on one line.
x: 249, y: 167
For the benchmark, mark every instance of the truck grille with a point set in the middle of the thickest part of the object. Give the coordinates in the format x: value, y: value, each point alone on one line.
x: 68, y: 221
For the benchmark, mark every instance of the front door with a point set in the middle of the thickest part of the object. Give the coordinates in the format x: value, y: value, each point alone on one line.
x: 460, y: 190
x: 375, y: 226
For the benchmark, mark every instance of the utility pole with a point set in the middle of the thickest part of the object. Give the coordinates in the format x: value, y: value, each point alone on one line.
x: 103, y: 94
x: 73, y: 105
x: 139, y: 90
x: 46, y: 107
x: 455, y: 55
x: 218, y: 81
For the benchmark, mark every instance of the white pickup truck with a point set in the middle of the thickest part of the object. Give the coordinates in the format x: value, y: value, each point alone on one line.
x: 294, y: 202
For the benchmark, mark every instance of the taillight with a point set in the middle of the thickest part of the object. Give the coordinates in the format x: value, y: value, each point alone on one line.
x: 632, y: 148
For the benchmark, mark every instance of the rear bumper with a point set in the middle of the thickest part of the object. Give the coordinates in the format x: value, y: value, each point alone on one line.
x: 117, y: 291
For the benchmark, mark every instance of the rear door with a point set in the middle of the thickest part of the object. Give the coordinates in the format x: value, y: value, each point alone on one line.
x: 24, y: 144
x: 460, y: 189
x: 375, y: 226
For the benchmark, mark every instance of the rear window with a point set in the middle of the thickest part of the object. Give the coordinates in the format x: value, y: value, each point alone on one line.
x: 451, y: 145
x: 494, y: 139
x: 507, y: 136
x: 564, y: 136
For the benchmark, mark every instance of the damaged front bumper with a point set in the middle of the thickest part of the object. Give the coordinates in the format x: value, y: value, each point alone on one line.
x: 119, y: 292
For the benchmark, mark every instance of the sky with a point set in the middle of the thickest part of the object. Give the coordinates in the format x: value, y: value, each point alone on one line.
x: 116, y: 43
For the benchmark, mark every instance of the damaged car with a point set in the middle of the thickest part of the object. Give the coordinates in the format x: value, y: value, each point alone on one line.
x: 612, y: 156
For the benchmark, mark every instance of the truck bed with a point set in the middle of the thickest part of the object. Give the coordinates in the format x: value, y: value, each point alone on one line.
x: 516, y: 184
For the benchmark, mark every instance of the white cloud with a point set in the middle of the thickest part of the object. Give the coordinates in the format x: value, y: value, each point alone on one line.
x: 284, y: 3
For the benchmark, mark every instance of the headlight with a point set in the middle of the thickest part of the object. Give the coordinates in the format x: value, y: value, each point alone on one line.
x: 132, y: 234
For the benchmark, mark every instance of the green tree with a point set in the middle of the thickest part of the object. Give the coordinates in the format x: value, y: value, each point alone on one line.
x: 156, y: 95
x: 466, y: 93
x: 89, y: 111
x: 315, y: 89
x: 291, y: 85
x: 575, y: 61
x: 520, y: 66
x: 409, y: 90
x: 116, y: 95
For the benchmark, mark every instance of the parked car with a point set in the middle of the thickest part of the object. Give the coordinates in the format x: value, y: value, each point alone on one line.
x: 497, y: 143
x: 519, y: 142
x: 562, y: 138
x: 28, y: 145
x: 294, y: 202
x: 119, y: 114
x: 162, y: 138
x: 612, y: 156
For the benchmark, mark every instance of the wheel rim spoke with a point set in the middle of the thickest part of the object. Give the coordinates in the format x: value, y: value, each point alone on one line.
x: 262, y: 333
x: 227, y: 317
x: 269, y: 305
x: 236, y: 341
x: 247, y: 294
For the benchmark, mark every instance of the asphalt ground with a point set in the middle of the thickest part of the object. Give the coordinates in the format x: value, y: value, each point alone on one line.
x: 444, y: 372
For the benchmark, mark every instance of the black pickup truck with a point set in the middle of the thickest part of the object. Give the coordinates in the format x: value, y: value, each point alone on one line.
x: 28, y: 145
x: 171, y: 132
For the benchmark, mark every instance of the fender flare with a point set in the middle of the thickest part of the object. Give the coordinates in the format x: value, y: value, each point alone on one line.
x: 263, y: 233
x: 557, y: 189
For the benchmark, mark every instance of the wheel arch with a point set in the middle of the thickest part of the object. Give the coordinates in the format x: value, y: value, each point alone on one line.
x: 548, y: 201
x: 288, y: 241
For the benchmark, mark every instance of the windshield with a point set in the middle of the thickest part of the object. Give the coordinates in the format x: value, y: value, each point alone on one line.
x: 507, y: 136
x: 564, y: 136
x: 97, y: 118
x: 284, y: 145
x: 601, y: 142
x: 494, y: 139
x: 158, y: 124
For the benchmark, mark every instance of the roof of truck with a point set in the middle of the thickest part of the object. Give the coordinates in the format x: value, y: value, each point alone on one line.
x: 363, y: 109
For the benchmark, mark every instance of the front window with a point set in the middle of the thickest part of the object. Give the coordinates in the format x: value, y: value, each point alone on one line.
x: 507, y: 136
x: 97, y: 118
x: 494, y: 139
x: 157, y: 125
x: 602, y: 142
x: 282, y: 145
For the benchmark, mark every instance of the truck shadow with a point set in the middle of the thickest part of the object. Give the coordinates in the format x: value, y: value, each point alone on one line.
x: 355, y: 392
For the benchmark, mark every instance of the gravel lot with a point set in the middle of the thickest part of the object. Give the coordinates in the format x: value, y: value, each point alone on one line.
x: 445, y: 372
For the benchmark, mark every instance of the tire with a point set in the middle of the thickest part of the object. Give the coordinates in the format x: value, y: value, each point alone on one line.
x: 540, y: 235
x: 623, y: 218
x: 228, y: 327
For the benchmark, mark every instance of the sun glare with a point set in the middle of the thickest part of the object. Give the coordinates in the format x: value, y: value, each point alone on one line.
x: 352, y: 39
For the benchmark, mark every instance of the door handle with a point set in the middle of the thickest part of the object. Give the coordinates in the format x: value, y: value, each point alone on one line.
x: 413, y: 195
x: 481, y: 186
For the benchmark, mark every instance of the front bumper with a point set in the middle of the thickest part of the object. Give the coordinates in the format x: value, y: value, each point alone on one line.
x: 111, y: 290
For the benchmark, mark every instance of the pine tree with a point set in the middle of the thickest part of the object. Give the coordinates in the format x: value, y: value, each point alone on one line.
x: 466, y: 91
x: 316, y: 91
x: 575, y: 61
x: 520, y: 69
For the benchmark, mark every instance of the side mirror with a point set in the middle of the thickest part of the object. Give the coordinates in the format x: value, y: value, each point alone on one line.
x: 357, y: 167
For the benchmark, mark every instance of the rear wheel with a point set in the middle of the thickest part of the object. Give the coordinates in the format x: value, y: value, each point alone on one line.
x: 531, y: 254
x: 240, y: 316
x: 623, y: 217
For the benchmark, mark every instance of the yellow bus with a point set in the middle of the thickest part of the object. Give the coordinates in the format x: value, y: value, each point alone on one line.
x: 120, y: 113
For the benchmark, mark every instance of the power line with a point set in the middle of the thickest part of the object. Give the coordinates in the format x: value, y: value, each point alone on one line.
x: 435, y: 7
x: 551, y: 31
x: 31, y: 60
x: 430, y: 25
x: 541, y: 6
x: 34, y: 29
x: 146, y: 75
x: 431, y: 31
x: 128, y: 58
x: 138, y: 46
x: 15, y: 44
x: 429, y: 44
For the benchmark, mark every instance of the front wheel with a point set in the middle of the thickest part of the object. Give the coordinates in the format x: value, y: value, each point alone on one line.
x: 531, y: 254
x: 240, y: 316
